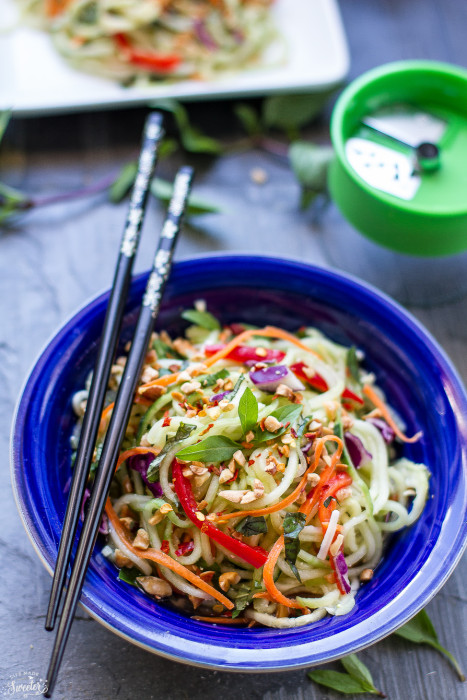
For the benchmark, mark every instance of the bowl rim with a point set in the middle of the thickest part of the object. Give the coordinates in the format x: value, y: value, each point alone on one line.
x: 444, y: 567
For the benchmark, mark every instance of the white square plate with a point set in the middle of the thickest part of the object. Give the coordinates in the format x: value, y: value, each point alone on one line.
x: 34, y: 79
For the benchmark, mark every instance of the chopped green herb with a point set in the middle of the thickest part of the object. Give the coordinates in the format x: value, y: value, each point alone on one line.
x: 352, y: 364
x: 129, y: 575
x: 236, y: 388
x: 211, y: 379
x: 202, y: 318
x: 252, y: 525
x: 183, y: 431
x: 357, y: 679
x: 293, y: 525
x: 284, y: 414
x: 243, y: 595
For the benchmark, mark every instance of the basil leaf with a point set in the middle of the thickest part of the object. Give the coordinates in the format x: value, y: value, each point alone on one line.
x: 352, y: 364
x: 122, y: 184
x: 284, y: 414
x: 341, y: 682
x: 161, y: 189
x: 216, y: 448
x: 293, y: 111
x: 202, y: 318
x: 243, y: 595
x: 183, y: 431
x: 129, y: 575
x: 358, y: 671
x: 310, y: 164
x: 248, y: 410
x: 420, y: 630
x: 249, y: 118
x: 211, y: 379
x: 252, y: 525
x: 328, y: 500
x: 192, y: 139
x: 293, y: 525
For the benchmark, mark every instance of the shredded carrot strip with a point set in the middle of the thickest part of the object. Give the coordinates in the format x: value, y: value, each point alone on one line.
x: 164, y: 560
x: 295, y: 493
x: 136, y: 451
x: 307, y: 507
x: 105, y: 415
x: 379, y: 403
x: 55, y: 7
x: 220, y: 620
x: 268, y: 332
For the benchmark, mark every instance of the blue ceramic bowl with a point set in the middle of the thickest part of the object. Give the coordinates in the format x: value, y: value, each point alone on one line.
x: 413, y: 371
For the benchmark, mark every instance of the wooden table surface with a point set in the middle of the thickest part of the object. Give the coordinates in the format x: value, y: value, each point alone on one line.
x: 54, y: 259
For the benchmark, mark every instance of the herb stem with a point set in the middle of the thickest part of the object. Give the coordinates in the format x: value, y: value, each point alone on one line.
x: 96, y: 188
x: 451, y: 658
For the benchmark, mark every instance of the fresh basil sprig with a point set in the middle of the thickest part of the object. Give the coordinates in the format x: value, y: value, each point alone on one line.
x: 248, y: 410
x: 129, y: 575
x: 420, y: 630
x: 252, y: 525
x: 183, y: 431
x: 211, y: 379
x: 352, y: 363
x: 357, y: 679
x: 243, y: 595
x: 202, y: 318
x: 216, y: 448
x: 293, y: 525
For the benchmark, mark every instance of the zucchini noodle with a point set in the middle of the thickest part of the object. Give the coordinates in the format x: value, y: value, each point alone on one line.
x: 252, y: 462
x: 141, y: 41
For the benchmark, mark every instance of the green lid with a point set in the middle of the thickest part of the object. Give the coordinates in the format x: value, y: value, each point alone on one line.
x: 400, y: 172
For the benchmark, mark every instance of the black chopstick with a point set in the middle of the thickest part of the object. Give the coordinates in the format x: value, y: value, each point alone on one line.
x: 152, y: 136
x: 121, y: 412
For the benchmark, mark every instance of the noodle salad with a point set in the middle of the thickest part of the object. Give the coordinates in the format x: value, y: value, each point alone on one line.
x: 129, y: 40
x: 259, y: 475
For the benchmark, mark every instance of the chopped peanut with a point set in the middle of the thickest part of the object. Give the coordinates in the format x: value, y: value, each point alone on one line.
x: 366, y: 575
x: 250, y: 436
x: 190, y: 387
x: 155, y: 586
x: 272, y: 424
x: 121, y: 559
x: 213, y: 412
x: 225, y: 476
x: 141, y: 540
x: 228, y: 579
x: 156, y: 518
x: 165, y: 508
x: 239, y: 457
x: 149, y: 373
x: 313, y: 479
x: 284, y: 390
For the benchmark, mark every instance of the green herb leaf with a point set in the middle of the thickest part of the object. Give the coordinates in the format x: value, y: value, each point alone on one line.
x: 216, y: 448
x: 95, y: 462
x: 352, y: 364
x: 248, y: 410
x: 192, y: 139
x: 284, y: 414
x: 310, y: 164
x: 123, y: 183
x: 129, y: 575
x: 302, y: 425
x: 292, y: 111
x: 162, y: 190
x: 293, y: 525
x: 359, y: 672
x: 5, y: 117
x: 210, y: 379
x: 202, y: 318
x: 252, y: 525
x: 420, y: 630
x: 236, y: 388
x: 341, y: 682
x: 249, y: 118
x: 183, y: 431
x: 328, y: 500
x: 243, y: 595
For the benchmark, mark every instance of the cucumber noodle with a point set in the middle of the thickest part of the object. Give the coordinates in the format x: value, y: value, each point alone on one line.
x: 384, y: 492
x: 146, y: 40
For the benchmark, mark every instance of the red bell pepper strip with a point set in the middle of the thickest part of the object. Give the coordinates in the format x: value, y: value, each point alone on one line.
x: 256, y: 556
x: 244, y: 353
x: 155, y: 62
x: 317, y: 382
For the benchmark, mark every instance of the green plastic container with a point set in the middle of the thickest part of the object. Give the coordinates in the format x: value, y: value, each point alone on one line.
x: 434, y: 221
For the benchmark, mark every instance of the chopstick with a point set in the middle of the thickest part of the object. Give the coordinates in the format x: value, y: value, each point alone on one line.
x: 152, y: 136
x: 121, y: 412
